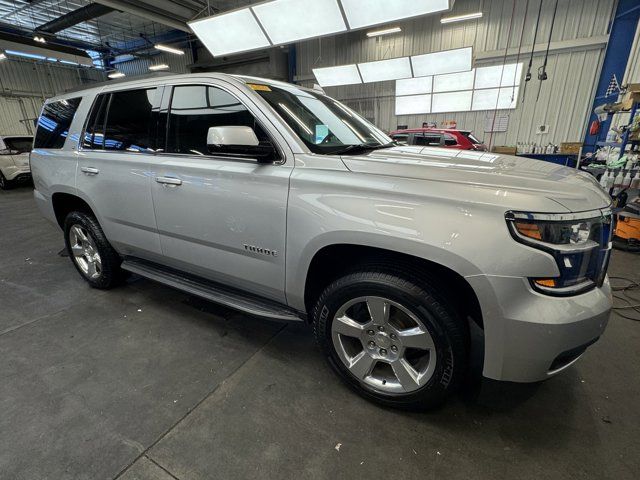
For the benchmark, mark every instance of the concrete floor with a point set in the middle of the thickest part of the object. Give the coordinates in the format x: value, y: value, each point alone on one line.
x: 144, y: 382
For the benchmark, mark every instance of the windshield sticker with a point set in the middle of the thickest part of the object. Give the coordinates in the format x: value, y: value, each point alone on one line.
x: 321, y: 133
x: 258, y: 88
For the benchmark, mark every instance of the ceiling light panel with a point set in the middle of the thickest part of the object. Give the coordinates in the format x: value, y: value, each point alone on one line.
x: 413, y: 104
x: 495, y: 99
x: 233, y: 32
x: 392, y: 69
x: 365, y: 13
x: 461, y: 18
x: 489, y: 77
x: 287, y: 21
x: 413, y: 86
x: 451, y: 102
x: 334, y: 76
x: 438, y: 63
x: 453, y: 81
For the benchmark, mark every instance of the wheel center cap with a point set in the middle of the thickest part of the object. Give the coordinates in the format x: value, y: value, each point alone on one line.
x: 382, y: 340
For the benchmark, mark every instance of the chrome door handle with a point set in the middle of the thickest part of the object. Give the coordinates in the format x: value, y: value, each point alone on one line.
x: 89, y: 170
x: 169, y: 181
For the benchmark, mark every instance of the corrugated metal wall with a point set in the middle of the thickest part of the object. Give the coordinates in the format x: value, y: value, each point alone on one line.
x: 25, y: 84
x: 564, y: 99
x: 140, y: 66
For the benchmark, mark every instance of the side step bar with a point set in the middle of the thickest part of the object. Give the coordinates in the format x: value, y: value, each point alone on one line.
x: 211, y: 291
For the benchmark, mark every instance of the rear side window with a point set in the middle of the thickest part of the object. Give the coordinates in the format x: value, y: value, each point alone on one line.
x: 94, y: 133
x: 195, y: 108
x: 129, y: 123
x: 450, y: 140
x: 428, y: 139
x: 54, y: 123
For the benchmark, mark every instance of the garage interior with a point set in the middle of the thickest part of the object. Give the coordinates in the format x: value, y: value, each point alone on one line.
x: 147, y: 382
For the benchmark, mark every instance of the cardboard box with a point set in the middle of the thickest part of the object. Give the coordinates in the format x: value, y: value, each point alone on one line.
x: 505, y: 150
x: 571, y: 148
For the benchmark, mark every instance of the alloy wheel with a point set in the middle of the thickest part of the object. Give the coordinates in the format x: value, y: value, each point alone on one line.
x: 84, y: 252
x: 383, y: 344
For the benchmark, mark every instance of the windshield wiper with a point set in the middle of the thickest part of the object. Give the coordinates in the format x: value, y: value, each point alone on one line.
x: 362, y: 147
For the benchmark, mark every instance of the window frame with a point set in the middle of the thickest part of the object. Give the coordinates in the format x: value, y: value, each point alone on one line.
x: 165, y: 111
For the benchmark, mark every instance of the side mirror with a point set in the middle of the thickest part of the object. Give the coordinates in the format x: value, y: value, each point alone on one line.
x: 238, y: 141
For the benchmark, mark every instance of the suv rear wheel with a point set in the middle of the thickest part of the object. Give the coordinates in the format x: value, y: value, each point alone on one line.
x: 393, y: 338
x: 92, y: 255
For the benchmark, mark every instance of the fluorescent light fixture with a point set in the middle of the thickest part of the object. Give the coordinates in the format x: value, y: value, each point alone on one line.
x: 25, y: 55
x: 232, y: 32
x: 413, y: 104
x: 68, y: 62
x: 166, y: 48
x: 495, y: 99
x: 116, y: 75
x: 333, y: 76
x: 386, y: 31
x: 498, y: 75
x: 392, y: 69
x: 161, y: 66
x: 365, y: 13
x: 2, y: 56
x: 287, y: 21
x: 438, y: 63
x: 451, y: 102
x: 452, y: 82
x: 413, y: 86
x: 39, y: 39
x: 461, y: 18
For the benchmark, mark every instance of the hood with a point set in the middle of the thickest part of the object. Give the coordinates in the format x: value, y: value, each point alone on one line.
x: 572, y: 189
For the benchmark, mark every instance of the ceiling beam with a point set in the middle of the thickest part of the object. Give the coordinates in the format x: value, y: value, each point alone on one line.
x: 93, y: 10
x: 140, y: 11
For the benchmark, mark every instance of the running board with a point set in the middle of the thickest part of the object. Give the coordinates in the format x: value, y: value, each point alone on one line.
x: 211, y: 291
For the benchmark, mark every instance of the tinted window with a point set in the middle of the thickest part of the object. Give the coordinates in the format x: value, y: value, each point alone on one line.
x: 472, y: 138
x: 54, y: 123
x: 19, y: 144
x: 195, y: 108
x: 130, y: 124
x: 401, y: 138
x: 450, y: 140
x: 431, y: 140
x: 94, y: 132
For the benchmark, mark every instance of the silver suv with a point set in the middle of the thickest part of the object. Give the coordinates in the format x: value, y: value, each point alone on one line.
x: 284, y: 203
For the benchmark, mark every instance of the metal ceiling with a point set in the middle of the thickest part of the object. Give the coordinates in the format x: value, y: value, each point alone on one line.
x: 118, y: 28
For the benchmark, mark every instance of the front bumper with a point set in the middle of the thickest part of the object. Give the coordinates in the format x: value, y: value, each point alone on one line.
x: 530, y: 336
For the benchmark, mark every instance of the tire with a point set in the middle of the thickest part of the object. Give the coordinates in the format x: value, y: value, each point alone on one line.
x: 84, y: 239
x: 4, y: 183
x: 378, y: 373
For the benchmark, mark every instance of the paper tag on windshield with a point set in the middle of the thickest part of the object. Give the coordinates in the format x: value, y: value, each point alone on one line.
x: 259, y: 88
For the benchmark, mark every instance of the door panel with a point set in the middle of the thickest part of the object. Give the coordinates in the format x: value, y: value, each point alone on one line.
x: 115, y: 169
x: 223, y: 218
x: 221, y: 206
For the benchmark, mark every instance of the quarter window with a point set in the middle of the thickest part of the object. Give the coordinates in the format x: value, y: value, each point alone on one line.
x: 196, y: 108
x: 54, y: 123
x: 450, y: 140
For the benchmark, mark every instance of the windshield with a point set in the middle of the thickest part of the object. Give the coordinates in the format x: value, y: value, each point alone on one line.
x: 324, y: 125
x: 21, y: 144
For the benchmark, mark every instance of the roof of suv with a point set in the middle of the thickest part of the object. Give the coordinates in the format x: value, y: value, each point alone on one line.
x: 162, y: 77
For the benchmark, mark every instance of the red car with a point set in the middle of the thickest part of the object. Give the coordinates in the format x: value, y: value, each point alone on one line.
x: 439, y: 137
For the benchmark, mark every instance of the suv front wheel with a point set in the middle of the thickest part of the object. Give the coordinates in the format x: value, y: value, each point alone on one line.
x: 92, y: 255
x: 393, y: 338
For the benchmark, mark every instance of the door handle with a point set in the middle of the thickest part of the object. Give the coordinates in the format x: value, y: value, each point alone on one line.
x: 89, y: 170
x: 169, y: 181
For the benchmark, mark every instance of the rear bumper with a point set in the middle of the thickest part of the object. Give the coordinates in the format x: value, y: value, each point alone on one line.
x: 530, y: 336
x: 17, y: 174
x: 45, y: 206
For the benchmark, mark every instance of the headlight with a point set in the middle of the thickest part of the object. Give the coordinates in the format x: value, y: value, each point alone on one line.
x: 579, y: 242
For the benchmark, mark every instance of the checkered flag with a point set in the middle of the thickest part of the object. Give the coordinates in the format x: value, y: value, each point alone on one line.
x: 613, y: 86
